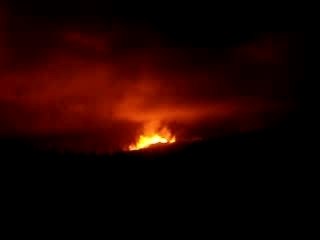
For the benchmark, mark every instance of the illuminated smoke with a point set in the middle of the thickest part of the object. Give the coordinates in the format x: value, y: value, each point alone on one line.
x: 87, y: 82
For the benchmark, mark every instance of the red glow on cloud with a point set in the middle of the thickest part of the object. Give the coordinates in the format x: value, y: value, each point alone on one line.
x: 88, y: 82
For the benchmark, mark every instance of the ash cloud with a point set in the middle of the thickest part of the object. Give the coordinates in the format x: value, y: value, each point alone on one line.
x: 70, y: 80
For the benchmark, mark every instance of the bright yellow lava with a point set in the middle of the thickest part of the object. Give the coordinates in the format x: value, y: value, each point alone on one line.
x: 147, y: 141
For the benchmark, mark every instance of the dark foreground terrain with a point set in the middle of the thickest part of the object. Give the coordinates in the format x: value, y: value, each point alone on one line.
x: 270, y: 152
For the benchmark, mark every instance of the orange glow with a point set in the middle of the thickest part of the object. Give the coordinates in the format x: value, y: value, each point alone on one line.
x: 92, y: 89
x: 146, y: 140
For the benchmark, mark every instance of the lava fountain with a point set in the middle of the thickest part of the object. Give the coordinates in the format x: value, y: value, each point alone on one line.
x: 163, y: 136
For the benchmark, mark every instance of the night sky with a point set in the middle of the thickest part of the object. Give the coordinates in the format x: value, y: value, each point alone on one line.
x: 88, y: 75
